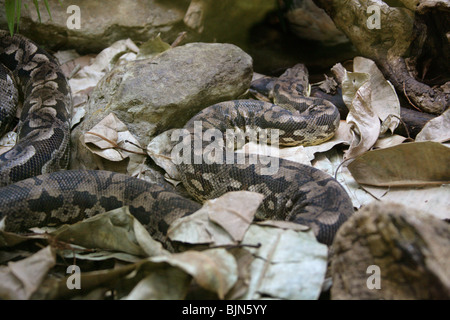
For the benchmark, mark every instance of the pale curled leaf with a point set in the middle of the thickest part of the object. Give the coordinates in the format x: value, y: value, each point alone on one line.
x: 243, y: 259
x: 159, y: 149
x: 288, y: 225
x: 287, y: 264
x: 90, y: 75
x: 81, y: 253
x: 77, y: 115
x: 168, y: 283
x: 389, y: 141
x: 408, y: 164
x: 197, y: 228
x: 432, y: 200
x: 112, y: 143
x: 234, y: 211
x: 19, y: 280
x: 437, y: 129
x: 7, y: 142
x: 115, y: 230
x: 214, y: 269
x: 356, y: 93
x: 220, y: 221
x: 384, y: 99
x: 112, y: 139
x: 330, y: 162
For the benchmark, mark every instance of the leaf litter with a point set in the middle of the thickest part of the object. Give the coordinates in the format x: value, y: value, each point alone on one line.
x: 231, y: 255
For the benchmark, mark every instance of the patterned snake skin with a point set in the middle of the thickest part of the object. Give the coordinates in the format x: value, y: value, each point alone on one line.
x: 293, y: 192
x: 44, y: 124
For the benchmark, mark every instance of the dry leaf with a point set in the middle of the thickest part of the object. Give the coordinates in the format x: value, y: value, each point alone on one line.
x: 437, y: 129
x: 159, y: 149
x: 19, y: 280
x: 234, y: 211
x: 287, y: 264
x: 197, y: 228
x: 90, y: 75
x: 166, y: 283
x: 356, y: 93
x: 152, y: 47
x: 221, y: 221
x: 430, y: 200
x: 384, y: 100
x: 214, y: 269
x: 81, y: 253
x: 288, y: 225
x: 7, y: 142
x: 389, y: 141
x: 110, y: 139
x: 243, y: 259
x: 116, y: 230
x: 330, y: 162
x: 56, y: 288
x: 409, y: 164
x: 77, y: 114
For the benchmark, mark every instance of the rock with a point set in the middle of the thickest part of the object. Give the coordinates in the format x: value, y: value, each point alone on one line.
x: 154, y: 95
x: 101, y: 23
x: 308, y: 21
x: 389, y: 251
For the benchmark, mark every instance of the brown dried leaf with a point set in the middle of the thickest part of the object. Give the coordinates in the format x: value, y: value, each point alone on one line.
x: 234, y: 211
x: 409, y: 164
x: 220, y: 221
x: 213, y: 269
x: 437, y: 129
x: 384, y: 100
x: 356, y: 93
x: 19, y: 280
x: 115, y: 230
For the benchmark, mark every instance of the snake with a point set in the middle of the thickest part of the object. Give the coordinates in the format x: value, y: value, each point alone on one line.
x: 37, y: 189
x: 43, y: 130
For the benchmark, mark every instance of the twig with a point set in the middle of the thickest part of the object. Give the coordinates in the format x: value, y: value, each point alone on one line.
x: 340, y: 165
x: 180, y: 38
x: 403, y: 123
x: 232, y: 246
x: 115, y: 145
x: 406, y: 95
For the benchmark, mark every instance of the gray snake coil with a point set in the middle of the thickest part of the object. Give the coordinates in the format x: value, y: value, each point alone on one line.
x: 36, y: 192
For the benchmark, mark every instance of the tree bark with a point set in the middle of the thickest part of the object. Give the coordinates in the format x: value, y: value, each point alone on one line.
x: 404, y: 40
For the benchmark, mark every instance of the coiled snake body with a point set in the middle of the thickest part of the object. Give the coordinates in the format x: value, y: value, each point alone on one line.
x: 42, y: 197
x: 44, y: 124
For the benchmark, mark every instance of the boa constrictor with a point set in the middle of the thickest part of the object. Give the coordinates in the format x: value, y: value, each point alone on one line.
x: 37, y: 193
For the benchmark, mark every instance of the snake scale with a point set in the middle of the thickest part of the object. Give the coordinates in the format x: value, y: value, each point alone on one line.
x: 37, y: 192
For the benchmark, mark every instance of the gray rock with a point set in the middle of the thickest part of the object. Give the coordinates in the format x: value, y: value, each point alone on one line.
x: 104, y: 22
x: 155, y: 95
x: 101, y: 22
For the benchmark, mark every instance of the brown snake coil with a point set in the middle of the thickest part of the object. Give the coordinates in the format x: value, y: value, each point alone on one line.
x: 295, y: 192
x: 44, y: 124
